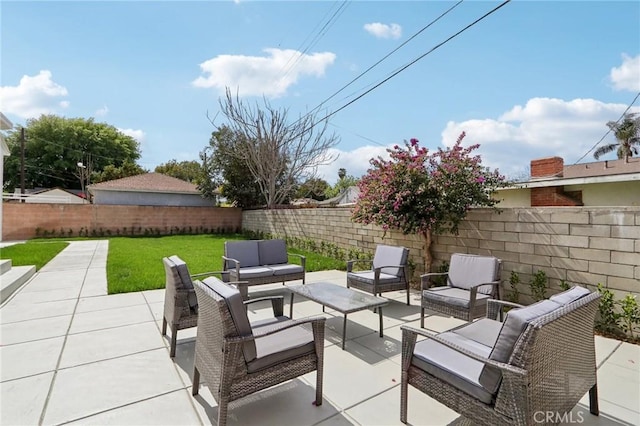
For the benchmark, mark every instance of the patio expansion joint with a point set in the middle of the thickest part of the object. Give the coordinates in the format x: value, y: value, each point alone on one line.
x: 618, y: 345
x: 64, y: 344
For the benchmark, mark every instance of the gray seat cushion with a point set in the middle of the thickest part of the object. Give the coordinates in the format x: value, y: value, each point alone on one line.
x: 285, y: 269
x: 390, y: 255
x: 468, y: 270
x: 454, y: 296
x: 245, y: 252
x: 368, y: 277
x: 452, y: 366
x: 514, y: 325
x: 281, y: 346
x: 571, y: 295
x: 184, y: 280
x: 238, y: 312
x: 484, y: 331
x: 254, y: 272
x: 272, y: 252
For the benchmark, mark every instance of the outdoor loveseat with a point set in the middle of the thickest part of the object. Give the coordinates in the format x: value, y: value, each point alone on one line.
x: 531, y: 369
x: 258, y: 262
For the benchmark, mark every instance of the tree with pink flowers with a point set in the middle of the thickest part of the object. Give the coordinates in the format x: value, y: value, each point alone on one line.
x: 417, y: 192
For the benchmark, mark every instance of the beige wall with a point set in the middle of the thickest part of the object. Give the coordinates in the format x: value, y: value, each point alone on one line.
x: 520, y: 197
x: 582, y: 245
x: 593, y: 195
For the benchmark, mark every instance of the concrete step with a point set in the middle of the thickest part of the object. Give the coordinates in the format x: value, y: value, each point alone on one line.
x: 13, y: 279
x: 5, y: 265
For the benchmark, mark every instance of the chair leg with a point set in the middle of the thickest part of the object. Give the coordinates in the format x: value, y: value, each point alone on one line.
x: 593, y: 400
x: 421, y: 317
x: 164, y: 326
x: 408, y: 300
x: 196, y: 381
x: 404, y: 385
x: 222, y: 411
x: 174, y: 339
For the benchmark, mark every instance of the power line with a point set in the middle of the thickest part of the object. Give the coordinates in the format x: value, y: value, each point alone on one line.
x: 359, y: 135
x: 395, y: 73
x: 609, y: 131
x: 442, y: 15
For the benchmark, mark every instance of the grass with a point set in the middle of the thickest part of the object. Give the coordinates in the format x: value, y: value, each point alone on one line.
x: 135, y: 264
x: 35, y: 252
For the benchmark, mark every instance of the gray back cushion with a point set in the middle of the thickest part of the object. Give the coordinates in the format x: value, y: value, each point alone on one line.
x: 232, y: 297
x: 272, y: 252
x: 183, y: 272
x: 390, y: 255
x: 468, y: 270
x: 514, y: 325
x: 571, y: 295
x: 245, y: 252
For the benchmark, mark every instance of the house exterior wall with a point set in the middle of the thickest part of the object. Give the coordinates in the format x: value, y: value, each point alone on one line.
x: 54, y: 196
x: 21, y: 220
x: 149, y: 199
x: 519, y: 197
x: 609, y: 194
x: 583, y: 246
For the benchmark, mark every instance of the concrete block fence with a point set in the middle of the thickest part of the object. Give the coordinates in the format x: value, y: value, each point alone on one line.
x: 580, y: 245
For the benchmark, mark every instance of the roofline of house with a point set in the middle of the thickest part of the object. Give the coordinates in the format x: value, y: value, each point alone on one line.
x: 90, y: 188
x: 542, y: 183
x: 5, y: 123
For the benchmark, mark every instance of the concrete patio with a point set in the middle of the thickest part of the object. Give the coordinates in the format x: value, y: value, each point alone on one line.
x: 70, y: 353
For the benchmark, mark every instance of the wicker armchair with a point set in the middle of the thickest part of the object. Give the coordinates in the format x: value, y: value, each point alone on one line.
x: 535, y: 366
x: 180, y: 302
x: 389, y: 272
x: 237, y: 358
x: 471, y: 281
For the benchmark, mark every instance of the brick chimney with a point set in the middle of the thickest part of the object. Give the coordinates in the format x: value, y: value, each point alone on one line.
x: 547, y: 167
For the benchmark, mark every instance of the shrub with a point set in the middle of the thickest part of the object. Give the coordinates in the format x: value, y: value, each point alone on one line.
x: 514, y: 280
x: 538, y: 285
x: 630, y: 316
x: 607, y: 320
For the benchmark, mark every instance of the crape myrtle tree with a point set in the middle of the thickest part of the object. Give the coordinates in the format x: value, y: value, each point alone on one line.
x: 55, y: 145
x: 279, y: 154
x: 627, y: 134
x: 417, y: 192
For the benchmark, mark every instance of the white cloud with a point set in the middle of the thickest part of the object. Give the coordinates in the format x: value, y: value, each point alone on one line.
x: 137, y: 134
x: 356, y: 162
x: 544, y: 127
x: 33, y: 96
x: 627, y: 75
x: 269, y: 75
x: 102, y: 112
x: 380, y: 30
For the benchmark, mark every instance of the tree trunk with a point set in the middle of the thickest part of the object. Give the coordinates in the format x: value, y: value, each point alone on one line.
x: 428, y: 258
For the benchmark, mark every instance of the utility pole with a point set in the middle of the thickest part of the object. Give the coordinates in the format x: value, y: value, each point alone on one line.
x: 22, y: 164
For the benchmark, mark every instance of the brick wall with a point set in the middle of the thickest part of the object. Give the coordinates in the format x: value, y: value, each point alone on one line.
x: 555, y: 196
x: 582, y: 245
x: 547, y: 167
x: 21, y: 220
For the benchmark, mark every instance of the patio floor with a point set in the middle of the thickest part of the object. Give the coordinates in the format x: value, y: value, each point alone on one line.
x: 72, y: 354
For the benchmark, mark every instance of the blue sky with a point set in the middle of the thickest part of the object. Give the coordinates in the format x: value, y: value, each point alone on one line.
x: 532, y: 80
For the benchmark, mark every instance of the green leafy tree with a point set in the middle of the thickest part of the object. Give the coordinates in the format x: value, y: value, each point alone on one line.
x: 314, y: 188
x: 341, y: 185
x: 190, y: 171
x: 225, y: 173
x: 417, y: 192
x: 627, y: 133
x: 55, y: 145
x: 112, y: 172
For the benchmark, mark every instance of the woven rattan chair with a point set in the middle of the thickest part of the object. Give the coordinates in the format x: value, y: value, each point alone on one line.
x: 237, y: 358
x: 540, y: 362
x: 470, y: 282
x: 389, y: 272
x: 180, y: 302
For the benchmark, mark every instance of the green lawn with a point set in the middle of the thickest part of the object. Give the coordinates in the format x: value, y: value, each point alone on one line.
x: 135, y: 264
x: 35, y: 252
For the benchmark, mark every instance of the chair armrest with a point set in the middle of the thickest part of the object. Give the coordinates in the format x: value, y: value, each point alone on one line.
x: 277, y: 303
x: 494, y: 307
x: 350, y: 263
x: 205, y: 274
x: 410, y: 333
x: 303, y: 259
x: 426, y: 279
x: 275, y: 328
x: 236, y: 263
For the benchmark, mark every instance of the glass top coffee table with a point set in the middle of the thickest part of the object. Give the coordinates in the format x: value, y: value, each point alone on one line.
x: 342, y: 299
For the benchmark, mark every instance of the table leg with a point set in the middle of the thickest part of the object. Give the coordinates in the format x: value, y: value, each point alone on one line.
x: 380, y: 314
x: 344, y: 330
x: 291, y: 306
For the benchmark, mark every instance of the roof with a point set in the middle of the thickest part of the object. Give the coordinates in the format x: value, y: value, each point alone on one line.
x: 589, y: 173
x: 148, y: 182
x: 347, y: 196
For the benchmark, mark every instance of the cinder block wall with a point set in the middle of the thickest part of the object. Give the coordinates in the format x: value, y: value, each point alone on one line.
x: 21, y: 220
x: 582, y: 245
